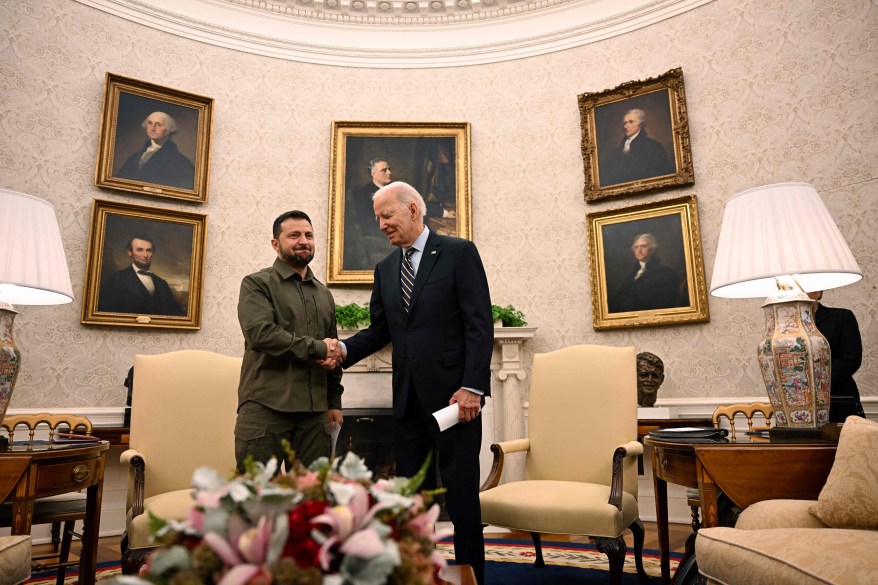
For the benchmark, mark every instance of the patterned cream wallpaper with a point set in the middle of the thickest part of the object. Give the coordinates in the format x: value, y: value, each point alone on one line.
x: 778, y: 90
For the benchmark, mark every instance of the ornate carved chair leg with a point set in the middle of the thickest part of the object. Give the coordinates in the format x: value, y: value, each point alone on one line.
x: 538, y: 547
x: 133, y: 559
x: 614, y: 548
x: 639, y: 535
x: 696, y: 519
x: 56, y: 536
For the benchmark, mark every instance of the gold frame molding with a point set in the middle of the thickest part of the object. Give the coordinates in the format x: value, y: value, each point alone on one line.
x: 193, y: 113
x: 173, y: 231
x: 675, y: 225
x: 663, y: 98
x: 411, y: 149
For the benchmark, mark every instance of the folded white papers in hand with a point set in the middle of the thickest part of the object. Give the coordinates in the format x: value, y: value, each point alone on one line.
x: 336, y: 430
x: 448, y: 416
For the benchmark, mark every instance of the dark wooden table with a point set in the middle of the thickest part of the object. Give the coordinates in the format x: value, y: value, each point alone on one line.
x: 35, y: 470
x: 747, y: 470
x: 116, y: 436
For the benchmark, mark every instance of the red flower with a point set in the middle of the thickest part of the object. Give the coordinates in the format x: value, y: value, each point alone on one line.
x: 300, y: 546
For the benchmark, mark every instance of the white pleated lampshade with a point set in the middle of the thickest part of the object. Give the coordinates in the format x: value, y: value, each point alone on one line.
x: 780, y: 230
x: 33, y: 268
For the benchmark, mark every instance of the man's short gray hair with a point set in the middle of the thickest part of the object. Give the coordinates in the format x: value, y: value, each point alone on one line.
x: 653, y: 243
x: 641, y: 115
x: 170, y: 122
x: 405, y: 194
x: 375, y: 161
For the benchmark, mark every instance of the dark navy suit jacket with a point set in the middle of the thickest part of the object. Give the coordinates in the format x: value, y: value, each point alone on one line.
x: 445, y: 341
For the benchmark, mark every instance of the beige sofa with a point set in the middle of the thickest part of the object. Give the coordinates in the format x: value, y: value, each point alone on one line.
x: 833, y: 539
x: 15, y: 558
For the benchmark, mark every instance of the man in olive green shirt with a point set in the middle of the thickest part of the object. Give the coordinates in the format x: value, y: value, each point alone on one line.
x: 288, y: 318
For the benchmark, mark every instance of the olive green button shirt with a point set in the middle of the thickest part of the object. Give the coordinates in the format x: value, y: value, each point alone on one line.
x: 284, y: 320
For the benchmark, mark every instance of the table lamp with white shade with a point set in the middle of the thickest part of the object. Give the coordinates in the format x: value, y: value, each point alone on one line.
x: 779, y: 241
x: 33, y: 271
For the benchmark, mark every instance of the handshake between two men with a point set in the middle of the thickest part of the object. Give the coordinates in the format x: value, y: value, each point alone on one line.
x: 334, y: 354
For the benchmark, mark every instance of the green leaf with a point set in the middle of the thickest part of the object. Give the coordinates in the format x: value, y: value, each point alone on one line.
x: 509, y: 315
x: 352, y: 315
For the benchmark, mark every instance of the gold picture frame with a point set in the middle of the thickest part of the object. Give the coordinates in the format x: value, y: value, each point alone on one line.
x: 168, y: 244
x: 670, y: 289
x: 657, y: 157
x: 433, y: 157
x: 132, y: 126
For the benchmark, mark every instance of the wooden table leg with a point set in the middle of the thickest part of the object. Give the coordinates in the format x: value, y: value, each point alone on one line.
x: 91, y: 530
x: 22, y: 517
x: 708, y: 492
x: 661, y: 513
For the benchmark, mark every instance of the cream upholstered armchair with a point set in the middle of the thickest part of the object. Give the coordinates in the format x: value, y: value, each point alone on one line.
x: 580, y: 471
x: 183, y: 412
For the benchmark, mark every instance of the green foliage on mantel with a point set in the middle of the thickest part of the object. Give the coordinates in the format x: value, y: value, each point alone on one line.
x: 508, y: 315
x: 352, y: 316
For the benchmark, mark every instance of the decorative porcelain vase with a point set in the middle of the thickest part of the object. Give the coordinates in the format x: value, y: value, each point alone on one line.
x: 10, y: 357
x: 795, y: 362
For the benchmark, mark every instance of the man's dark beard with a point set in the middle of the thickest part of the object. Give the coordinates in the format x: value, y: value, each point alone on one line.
x: 296, y: 261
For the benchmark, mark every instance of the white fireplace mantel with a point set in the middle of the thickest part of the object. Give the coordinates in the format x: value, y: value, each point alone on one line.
x: 507, y: 391
x: 368, y: 385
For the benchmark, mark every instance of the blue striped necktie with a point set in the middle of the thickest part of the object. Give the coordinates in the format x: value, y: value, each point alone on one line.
x: 407, y: 277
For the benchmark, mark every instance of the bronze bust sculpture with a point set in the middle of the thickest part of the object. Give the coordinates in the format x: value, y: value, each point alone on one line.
x: 650, y: 375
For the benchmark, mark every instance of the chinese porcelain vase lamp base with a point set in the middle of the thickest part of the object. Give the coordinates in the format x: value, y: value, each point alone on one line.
x: 10, y: 359
x: 795, y: 363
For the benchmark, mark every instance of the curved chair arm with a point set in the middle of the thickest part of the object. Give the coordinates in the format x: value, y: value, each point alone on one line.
x: 500, y: 450
x: 630, y: 449
x: 137, y: 463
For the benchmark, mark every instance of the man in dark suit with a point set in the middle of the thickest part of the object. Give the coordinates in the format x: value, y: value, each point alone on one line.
x: 136, y: 289
x: 363, y: 246
x: 159, y: 161
x: 650, y: 285
x: 440, y: 325
x: 637, y: 157
x: 840, y: 328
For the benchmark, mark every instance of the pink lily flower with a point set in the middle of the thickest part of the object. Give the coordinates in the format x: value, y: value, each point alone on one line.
x: 223, y: 549
x: 240, y: 575
x: 253, y: 543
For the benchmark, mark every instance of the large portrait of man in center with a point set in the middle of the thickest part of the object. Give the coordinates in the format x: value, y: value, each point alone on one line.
x: 433, y: 157
x: 635, y: 137
x: 144, y: 267
x: 646, y: 265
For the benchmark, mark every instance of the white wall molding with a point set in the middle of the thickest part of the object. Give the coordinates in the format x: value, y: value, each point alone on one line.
x: 99, y: 416
x: 397, y: 34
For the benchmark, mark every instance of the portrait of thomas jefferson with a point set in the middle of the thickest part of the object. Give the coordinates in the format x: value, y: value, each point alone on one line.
x: 648, y: 273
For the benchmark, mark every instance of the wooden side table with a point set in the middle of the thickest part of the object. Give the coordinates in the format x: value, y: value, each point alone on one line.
x: 748, y: 470
x: 35, y: 470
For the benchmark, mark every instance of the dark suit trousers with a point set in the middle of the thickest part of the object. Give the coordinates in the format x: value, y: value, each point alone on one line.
x: 417, y: 433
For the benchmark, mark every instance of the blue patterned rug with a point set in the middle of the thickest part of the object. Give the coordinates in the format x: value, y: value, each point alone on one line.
x: 510, y: 562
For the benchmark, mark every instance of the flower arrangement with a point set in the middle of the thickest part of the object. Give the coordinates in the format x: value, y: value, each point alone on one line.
x: 329, y: 524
